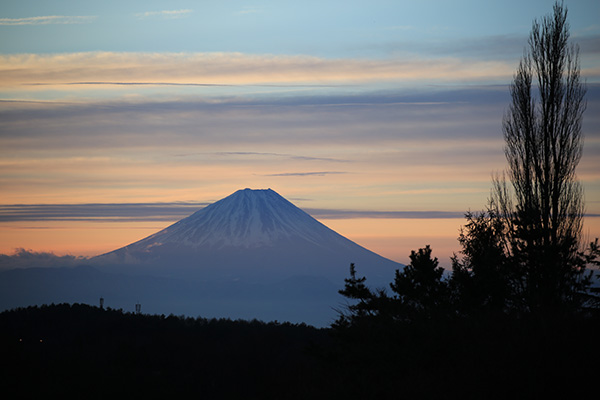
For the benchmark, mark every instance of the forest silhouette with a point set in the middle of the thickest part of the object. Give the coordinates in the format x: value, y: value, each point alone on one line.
x: 82, y: 351
x: 517, y: 317
x: 518, y: 314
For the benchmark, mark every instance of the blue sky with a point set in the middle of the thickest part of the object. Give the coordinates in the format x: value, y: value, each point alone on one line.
x: 320, y: 28
x: 366, y: 109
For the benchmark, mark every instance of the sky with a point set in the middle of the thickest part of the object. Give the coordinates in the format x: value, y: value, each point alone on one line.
x: 382, y: 119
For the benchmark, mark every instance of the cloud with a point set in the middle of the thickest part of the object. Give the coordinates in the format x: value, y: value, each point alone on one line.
x: 117, y: 212
x: 399, y: 143
x: 320, y: 173
x: 589, y: 45
x: 279, y: 155
x: 401, y: 127
x: 249, y: 10
x: 151, y: 212
x: 169, y: 14
x: 109, y: 83
x: 134, y: 84
x: 353, y: 214
x: 62, y: 70
x: 356, y: 214
x: 308, y: 123
x: 80, y: 71
x: 23, y: 258
x: 48, y: 20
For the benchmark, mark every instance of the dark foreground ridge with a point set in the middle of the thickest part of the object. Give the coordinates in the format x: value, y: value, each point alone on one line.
x: 86, y: 352
x: 80, y: 351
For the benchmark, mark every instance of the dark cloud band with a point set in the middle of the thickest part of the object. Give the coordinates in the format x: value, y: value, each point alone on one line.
x: 126, y: 212
x: 171, y: 212
x: 319, y: 173
x: 98, y: 212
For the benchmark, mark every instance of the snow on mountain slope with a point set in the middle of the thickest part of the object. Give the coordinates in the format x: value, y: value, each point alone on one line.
x: 248, y: 219
x: 252, y: 235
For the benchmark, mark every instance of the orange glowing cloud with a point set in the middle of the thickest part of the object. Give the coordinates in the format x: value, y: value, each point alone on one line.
x: 95, y: 68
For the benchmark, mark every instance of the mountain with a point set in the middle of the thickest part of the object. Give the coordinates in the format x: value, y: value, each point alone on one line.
x: 254, y: 236
x: 250, y: 255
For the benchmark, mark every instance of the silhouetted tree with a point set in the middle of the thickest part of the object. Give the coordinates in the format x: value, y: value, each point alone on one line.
x: 420, y: 290
x: 484, y: 279
x: 543, y: 207
x: 367, y: 304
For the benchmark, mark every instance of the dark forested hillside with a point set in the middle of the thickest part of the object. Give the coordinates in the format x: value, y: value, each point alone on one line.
x: 80, y: 351
x: 87, y: 352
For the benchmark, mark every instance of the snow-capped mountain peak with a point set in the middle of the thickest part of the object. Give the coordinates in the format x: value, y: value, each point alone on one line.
x: 248, y: 219
x: 251, y: 234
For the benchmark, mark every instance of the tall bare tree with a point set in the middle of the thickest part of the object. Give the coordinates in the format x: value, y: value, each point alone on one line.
x: 542, y: 130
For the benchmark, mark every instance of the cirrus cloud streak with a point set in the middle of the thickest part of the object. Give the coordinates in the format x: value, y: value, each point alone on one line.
x: 48, y: 20
x: 19, y: 70
x: 171, y: 14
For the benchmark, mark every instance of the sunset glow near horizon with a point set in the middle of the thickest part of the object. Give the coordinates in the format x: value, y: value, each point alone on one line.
x: 382, y: 120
